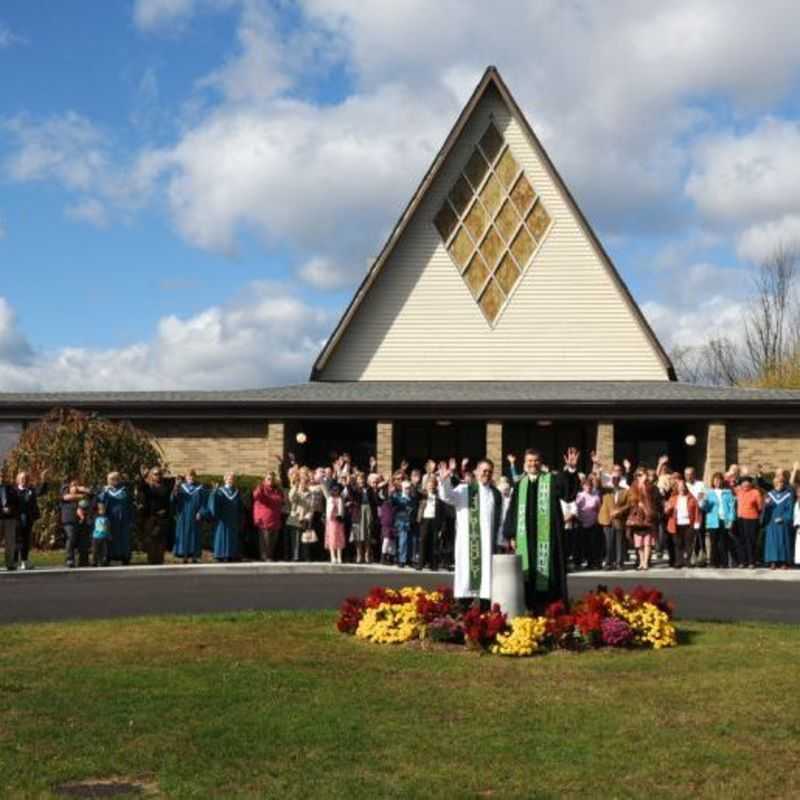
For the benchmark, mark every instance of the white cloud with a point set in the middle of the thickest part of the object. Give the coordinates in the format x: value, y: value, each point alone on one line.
x: 150, y: 15
x: 14, y: 347
x: 323, y: 274
x: 758, y: 242
x: 692, y: 325
x: 266, y: 336
x: 67, y: 148
x: 10, y: 39
x: 753, y: 177
x: 90, y: 210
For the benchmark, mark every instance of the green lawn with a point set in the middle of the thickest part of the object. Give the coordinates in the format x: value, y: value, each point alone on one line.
x: 280, y: 705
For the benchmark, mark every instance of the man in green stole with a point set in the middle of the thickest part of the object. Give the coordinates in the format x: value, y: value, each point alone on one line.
x: 478, y: 507
x: 534, y: 525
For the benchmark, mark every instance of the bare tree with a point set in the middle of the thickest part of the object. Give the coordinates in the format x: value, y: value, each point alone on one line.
x: 770, y: 333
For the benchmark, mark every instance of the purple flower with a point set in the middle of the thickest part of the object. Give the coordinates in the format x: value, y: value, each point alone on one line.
x: 616, y: 632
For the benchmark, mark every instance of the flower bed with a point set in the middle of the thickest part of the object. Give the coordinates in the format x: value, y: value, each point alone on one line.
x: 603, y: 618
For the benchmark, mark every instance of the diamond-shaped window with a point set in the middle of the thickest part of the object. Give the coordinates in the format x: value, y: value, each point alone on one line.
x: 507, y: 274
x: 476, y: 168
x: 476, y: 275
x: 507, y: 221
x: 461, y: 248
x: 491, y: 143
x: 481, y: 223
x: 492, y: 194
x: 445, y: 221
x: 476, y: 221
x: 492, y: 248
x: 507, y: 169
x: 492, y: 301
x: 522, y: 194
x: 460, y: 195
x: 522, y: 247
x: 538, y: 220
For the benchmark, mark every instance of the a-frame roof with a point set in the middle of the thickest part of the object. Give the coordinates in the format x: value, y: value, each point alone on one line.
x: 491, y: 80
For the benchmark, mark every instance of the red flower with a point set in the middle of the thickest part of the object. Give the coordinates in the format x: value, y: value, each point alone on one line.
x: 350, y: 615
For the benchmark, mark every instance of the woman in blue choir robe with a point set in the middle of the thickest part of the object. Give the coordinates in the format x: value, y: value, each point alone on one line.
x: 778, y: 519
x: 227, y: 510
x: 117, y: 498
x: 190, y: 500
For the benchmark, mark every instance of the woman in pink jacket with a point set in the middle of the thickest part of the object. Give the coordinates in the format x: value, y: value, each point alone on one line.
x: 268, y: 504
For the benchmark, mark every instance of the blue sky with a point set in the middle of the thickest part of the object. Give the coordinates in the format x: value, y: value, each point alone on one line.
x: 191, y: 189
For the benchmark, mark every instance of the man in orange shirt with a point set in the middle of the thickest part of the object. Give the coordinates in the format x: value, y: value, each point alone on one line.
x: 749, y: 505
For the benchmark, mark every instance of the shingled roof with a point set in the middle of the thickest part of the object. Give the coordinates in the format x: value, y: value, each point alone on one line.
x: 354, y: 394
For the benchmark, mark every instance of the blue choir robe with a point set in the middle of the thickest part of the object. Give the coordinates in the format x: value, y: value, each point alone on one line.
x: 227, y: 509
x: 189, y: 501
x: 778, y: 519
x: 121, y: 518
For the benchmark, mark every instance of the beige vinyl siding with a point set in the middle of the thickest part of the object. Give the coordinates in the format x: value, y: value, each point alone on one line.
x: 567, y: 318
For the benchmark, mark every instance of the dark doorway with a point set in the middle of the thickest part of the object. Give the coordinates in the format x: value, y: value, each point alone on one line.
x: 644, y: 442
x: 418, y: 441
x: 551, y: 440
x: 328, y: 439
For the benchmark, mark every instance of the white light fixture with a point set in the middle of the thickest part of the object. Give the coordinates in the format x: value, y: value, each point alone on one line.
x: 301, y: 438
x: 691, y: 440
x: 443, y: 423
x: 544, y: 423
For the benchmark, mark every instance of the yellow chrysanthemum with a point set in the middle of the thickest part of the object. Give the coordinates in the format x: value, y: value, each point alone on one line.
x: 524, y: 639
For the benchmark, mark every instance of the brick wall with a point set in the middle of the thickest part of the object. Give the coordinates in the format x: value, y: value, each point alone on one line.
x: 604, y: 444
x: 773, y: 444
x: 384, y: 439
x: 214, y: 447
x: 494, y: 444
x: 716, y: 450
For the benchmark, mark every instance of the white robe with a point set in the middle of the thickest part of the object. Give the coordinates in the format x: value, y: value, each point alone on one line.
x: 459, y: 498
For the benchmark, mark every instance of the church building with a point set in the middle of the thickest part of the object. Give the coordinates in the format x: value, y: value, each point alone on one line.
x: 491, y: 321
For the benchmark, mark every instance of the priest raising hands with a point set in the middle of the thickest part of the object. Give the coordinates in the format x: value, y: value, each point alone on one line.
x: 478, y: 508
x: 534, y: 526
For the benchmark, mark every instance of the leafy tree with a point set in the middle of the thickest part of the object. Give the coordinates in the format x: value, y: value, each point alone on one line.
x: 70, y: 444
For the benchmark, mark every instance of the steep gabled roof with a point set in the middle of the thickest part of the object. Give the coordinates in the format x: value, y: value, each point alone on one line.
x: 491, y: 80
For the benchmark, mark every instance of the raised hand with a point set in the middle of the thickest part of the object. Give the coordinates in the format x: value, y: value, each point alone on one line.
x: 464, y: 464
x: 373, y: 462
x: 571, y: 457
x: 452, y: 465
x: 511, y: 458
x: 627, y: 464
x: 404, y: 465
x: 593, y: 457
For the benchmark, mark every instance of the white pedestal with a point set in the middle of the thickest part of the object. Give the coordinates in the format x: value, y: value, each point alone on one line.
x: 507, y: 588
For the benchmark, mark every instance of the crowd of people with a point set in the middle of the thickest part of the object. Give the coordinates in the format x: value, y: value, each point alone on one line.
x: 614, y: 518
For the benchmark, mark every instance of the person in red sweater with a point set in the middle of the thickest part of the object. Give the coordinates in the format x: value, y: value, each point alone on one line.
x: 268, y: 503
x: 749, y: 505
x: 683, y: 519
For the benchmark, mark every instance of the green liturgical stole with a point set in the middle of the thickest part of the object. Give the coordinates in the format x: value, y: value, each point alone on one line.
x: 543, y: 529
x: 474, y: 538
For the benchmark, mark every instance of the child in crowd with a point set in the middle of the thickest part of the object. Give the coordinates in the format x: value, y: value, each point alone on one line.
x: 334, y: 523
x: 590, y: 535
x: 405, y: 505
x: 101, y: 538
